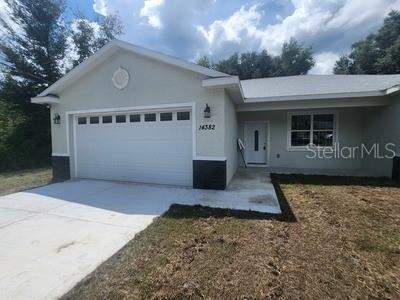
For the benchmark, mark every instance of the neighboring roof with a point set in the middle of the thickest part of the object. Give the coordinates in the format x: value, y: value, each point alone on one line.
x: 112, y: 47
x: 318, y: 86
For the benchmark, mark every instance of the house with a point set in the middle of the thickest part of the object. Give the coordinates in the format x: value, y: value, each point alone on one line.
x: 131, y: 114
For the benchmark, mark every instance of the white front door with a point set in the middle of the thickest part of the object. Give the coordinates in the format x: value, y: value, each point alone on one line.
x: 256, y: 142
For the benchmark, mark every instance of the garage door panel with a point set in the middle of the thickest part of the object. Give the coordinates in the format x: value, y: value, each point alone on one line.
x: 154, y: 152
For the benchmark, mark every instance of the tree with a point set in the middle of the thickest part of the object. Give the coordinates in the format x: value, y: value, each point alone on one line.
x: 83, y: 37
x: 110, y: 27
x: 230, y: 65
x: 249, y: 65
x: 294, y: 60
x: 33, y: 49
x: 265, y: 65
x: 378, y: 53
x: 343, y: 66
x: 204, y: 61
x: 33, y: 52
x: 390, y: 62
x: 88, y: 36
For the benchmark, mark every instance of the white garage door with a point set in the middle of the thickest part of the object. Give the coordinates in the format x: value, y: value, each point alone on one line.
x: 152, y: 147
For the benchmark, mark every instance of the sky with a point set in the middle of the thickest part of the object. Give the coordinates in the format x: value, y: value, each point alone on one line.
x: 217, y: 28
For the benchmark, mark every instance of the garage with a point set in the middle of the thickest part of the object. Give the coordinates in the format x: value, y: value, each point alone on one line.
x: 147, y: 146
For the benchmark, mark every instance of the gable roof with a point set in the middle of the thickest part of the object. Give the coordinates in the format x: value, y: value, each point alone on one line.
x: 318, y: 87
x: 111, y: 48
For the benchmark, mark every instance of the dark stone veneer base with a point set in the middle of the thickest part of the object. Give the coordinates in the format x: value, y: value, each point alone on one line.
x: 396, y: 168
x: 209, y: 174
x: 61, y: 169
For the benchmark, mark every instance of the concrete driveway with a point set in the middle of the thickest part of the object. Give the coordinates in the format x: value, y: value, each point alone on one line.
x: 51, y: 237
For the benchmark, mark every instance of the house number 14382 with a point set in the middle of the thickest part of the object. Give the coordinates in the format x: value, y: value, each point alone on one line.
x: 207, y: 127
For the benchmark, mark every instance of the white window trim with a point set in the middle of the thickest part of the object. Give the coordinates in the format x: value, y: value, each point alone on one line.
x: 311, y: 113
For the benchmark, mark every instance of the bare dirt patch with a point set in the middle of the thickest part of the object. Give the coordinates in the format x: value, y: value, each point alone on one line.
x: 344, y: 244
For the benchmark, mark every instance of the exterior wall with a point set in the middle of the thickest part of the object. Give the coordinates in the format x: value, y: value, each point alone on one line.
x: 151, y: 83
x: 231, y: 135
x: 61, y: 169
x: 350, y: 133
x: 382, y: 127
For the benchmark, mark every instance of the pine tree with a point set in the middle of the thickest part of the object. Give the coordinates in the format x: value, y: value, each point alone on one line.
x: 89, y: 37
x: 33, y: 50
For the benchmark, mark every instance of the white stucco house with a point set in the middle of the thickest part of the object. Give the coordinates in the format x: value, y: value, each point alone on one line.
x: 131, y: 114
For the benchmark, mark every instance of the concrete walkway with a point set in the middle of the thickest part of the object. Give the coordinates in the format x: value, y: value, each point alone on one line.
x: 52, y: 237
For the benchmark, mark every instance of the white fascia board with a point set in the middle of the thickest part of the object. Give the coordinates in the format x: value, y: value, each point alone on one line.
x: 393, y: 89
x: 221, y: 82
x: 316, y: 96
x: 50, y: 99
x: 115, y: 45
x: 314, y: 104
x: 229, y: 83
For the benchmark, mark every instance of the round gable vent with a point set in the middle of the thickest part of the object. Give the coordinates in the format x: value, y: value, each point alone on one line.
x: 120, y: 78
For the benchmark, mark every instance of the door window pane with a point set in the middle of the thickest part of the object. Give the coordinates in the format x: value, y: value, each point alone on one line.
x: 166, y: 116
x: 120, y: 119
x: 134, y: 118
x: 107, y: 119
x: 301, y: 122
x: 150, y: 117
x: 82, y: 120
x: 183, y: 115
x: 94, y: 120
x: 256, y: 140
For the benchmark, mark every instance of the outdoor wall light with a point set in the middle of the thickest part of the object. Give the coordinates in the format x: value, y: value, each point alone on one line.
x: 207, y: 112
x: 57, y: 119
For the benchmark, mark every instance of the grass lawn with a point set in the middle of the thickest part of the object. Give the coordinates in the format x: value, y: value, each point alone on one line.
x: 11, y: 182
x: 345, y: 243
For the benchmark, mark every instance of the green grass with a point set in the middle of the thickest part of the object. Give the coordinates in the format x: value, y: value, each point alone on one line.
x: 344, y: 243
x: 11, y: 182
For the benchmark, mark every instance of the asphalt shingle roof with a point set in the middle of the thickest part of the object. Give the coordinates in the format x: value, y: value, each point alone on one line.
x: 316, y: 85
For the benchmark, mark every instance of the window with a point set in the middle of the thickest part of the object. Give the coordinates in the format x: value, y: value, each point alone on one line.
x: 134, y: 118
x: 311, y: 129
x: 120, y: 119
x: 166, y: 116
x: 323, y: 130
x: 256, y: 140
x: 94, y: 120
x: 301, y: 127
x: 150, y: 117
x: 183, y: 115
x: 82, y: 120
x: 107, y: 119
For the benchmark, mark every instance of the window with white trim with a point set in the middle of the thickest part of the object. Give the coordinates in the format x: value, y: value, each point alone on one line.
x: 316, y: 129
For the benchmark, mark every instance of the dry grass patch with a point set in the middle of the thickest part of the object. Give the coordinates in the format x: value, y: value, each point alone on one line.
x: 345, y: 244
x: 11, y: 182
